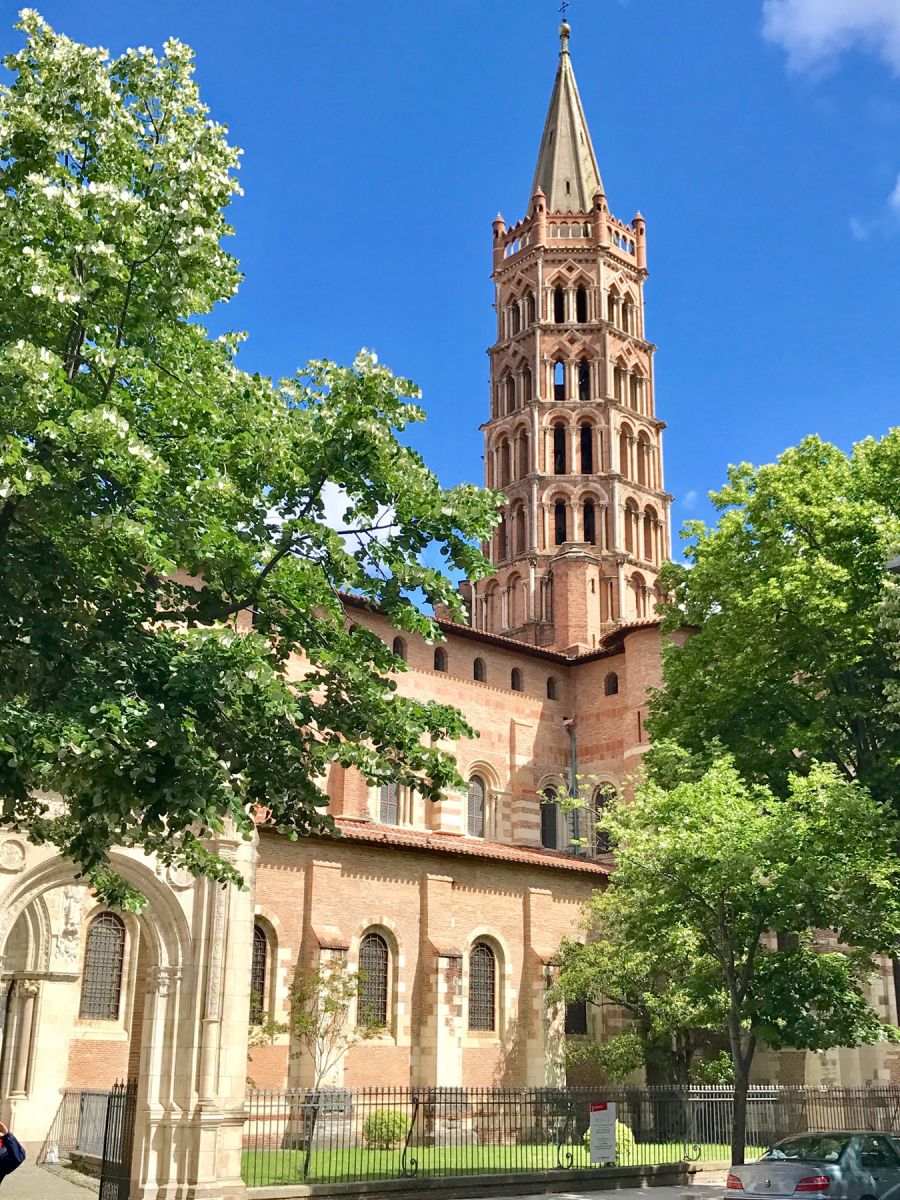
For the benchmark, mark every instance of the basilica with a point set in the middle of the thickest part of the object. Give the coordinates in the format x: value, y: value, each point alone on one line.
x: 454, y: 911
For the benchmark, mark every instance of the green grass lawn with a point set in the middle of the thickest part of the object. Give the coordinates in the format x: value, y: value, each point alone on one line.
x: 263, y: 1168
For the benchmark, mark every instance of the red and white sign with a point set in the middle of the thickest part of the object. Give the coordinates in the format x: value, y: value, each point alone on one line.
x: 603, y: 1132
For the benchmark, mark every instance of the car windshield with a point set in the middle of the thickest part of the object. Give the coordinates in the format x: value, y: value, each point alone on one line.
x: 826, y: 1147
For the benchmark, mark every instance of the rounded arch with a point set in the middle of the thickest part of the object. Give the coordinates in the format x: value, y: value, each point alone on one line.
x: 479, y: 673
x: 639, y: 583
x: 643, y: 459
x: 398, y: 647
x: 169, y: 931
x: 631, y: 525
x: 440, y: 658
x: 515, y: 680
x: 611, y: 684
x: 651, y: 522
x: 552, y: 690
x: 488, y: 772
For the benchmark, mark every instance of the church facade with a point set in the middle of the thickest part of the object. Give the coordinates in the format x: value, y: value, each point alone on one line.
x: 454, y: 911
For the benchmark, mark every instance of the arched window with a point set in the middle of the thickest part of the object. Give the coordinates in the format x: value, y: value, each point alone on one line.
x: 549, y: 820
x: 515, y: 679
x: 559, y: 522
x: 620, y: 383
x: 482, y: 988
x: 584, y: 382
x: 625, y: 451
x: 612, y: 310
x: 389, y: 804
x: 510, y: 393
x: 603, y: 798
x: 501, y: 538
x: 373, y: 980
x: 643, y: 458
x: 559, y: 449
x: 636, y: 384
x: 519, y: 533
x: 514, y: 318
x: 258, y: 966
x: 590, y: 523
x: 559, y: 381
x: 398, y: 647
x: 551, y: 688
x: 475, y: 815
x: 529, y: 308
x: 559, y: 305
x: 650, y: 534
x: 527, y: 388
x: 586, y: 443
x: 478, y: 673
x: 104, y: 956
x: 581, y: 306
x: 440, y: 658
x: 611, y: 684
x: 524, y: 466
x: 631, y: 526
x: 640, y: 595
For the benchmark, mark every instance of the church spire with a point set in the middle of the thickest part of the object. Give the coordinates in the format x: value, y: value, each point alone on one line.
x: 566, y: 171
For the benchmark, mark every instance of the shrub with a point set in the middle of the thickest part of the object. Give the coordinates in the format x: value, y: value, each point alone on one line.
x: 625, y: 1145
x: 385, y: 1127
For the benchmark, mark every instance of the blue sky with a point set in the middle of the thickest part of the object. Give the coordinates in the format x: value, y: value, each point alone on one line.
x: 760, y: 140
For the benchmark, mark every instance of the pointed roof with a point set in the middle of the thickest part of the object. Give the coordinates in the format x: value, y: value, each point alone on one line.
x: 567, y: 170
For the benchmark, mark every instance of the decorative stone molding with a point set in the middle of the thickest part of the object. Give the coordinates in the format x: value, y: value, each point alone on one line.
x: 12, y: 856
x: 162, y: 980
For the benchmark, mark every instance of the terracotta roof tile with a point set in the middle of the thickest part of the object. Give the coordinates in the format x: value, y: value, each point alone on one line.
x: 455, y: 843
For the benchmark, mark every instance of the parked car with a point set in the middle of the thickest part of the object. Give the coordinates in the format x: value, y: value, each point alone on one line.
x: 851, y: 1165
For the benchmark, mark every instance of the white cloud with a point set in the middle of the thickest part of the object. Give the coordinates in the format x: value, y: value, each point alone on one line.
x: 894, y: 198
x: 689, y: 500
x: 859, y: 229
x: 814, y: 32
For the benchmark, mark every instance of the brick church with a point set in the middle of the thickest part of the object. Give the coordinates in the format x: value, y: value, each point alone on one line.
x: 455, y: 910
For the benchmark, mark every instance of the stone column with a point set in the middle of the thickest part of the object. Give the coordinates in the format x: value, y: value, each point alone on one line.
x: 440, y: 1058
x: 26, y: 994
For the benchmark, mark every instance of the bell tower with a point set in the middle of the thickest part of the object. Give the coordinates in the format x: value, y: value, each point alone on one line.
x: 573, y: 439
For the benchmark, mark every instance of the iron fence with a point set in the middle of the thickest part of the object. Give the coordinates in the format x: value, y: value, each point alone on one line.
x: 78, y: 1129
x: 340, y: 1135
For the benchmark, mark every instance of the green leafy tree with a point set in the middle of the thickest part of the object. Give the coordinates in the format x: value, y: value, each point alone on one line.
x: 785, y: 663
x: 742, y: 879
x: 155, y: 499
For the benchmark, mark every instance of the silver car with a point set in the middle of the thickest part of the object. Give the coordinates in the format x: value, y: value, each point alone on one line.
x: 860, y: 1165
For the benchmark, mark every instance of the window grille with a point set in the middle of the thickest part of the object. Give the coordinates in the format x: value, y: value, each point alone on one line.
x: 576, y: 1018
x: 482, y: 987
x: 258, y: 964
x: 476, y: 807
x: 389, y: 809
x: 104, y: 955
x: 373, y: 983
x: 603, y: 796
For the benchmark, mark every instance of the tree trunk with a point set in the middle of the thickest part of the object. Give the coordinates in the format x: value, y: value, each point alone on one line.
x: 739, y: 1118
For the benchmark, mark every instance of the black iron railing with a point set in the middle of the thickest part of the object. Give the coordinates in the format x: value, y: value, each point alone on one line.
x: 334, y: 1134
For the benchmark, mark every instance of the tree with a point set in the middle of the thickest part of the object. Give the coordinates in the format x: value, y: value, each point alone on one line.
x: 156, y: 500
x: 785, y: 664
x: 743, y: 879
x: 321, y: 1004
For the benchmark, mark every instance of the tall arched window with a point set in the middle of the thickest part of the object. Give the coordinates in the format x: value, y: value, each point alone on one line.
x: 643, y: 458
x: 258, y: 966
x: 584, y: 382
x: 612, y: 311
x: 514, y: 318
x: 104, y: 956
x: 559, y: 522
x: 515, y: 680
x: 523, y: 454
x: 640, y: 595
x: 603, y: 797
x: 625, y: 440
x: 510, y: 393
x: 559, y: 449
x: 631, y: 526
x: 482, y: 988
x: 650, y: 534
x: 590, y: 523
x: 373, y: 980
x: 586, y: 442
x: 440, y: 658
x: 551, y: 688
x: 549, y: 819
x: 389, y: 804
x: 581, y: 306
x: 478, y: 673
x: 559, y: 381
x: 475, y: 814
x: 559, y: 305
x: 611, y: 684
x: 398, y: 647
x: 505, y: 463
x: 502, y: 543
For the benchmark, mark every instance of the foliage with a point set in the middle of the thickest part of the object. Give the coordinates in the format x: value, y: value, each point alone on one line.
x: 319, y: 1022
x: 616, y: 1057
x: 785, y: 664
x: 384, y: 1128
x: 716, y: 1070
x: 714, y: 875
x: 626, y: 1147
x: 154, y: 499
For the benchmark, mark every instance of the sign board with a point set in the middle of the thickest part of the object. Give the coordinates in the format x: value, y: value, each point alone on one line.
x: 603, y: 1132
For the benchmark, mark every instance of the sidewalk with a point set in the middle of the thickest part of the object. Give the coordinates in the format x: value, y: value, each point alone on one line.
x: 31, y: 1182
x: 709, y: 1185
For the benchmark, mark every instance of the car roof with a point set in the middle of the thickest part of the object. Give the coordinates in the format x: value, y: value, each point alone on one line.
x: 838, y: 1133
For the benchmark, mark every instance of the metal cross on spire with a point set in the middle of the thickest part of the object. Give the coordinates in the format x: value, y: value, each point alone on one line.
x: 564, y: 9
